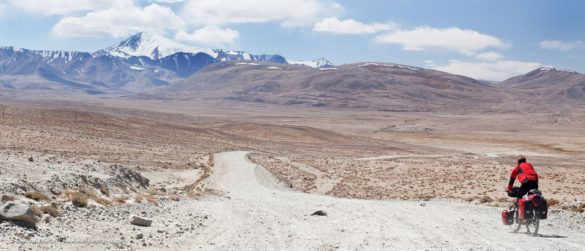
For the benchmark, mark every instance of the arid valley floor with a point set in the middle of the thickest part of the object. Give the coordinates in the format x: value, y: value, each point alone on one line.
x: 165, y: 161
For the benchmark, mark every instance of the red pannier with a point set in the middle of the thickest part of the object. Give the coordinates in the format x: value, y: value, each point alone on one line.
x: 507, y: 217
x: 534, y: 200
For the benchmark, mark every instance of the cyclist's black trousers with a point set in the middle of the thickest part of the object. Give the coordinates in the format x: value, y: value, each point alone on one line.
x: 527, y: 186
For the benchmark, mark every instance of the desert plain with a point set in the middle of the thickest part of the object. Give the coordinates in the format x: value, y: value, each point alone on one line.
x: 159, y: 160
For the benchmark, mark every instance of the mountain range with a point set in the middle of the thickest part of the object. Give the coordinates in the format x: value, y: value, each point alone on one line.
x: 141, y: 62
x: 149, y: 65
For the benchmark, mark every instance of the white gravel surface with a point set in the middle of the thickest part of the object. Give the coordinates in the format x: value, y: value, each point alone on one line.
x: 255, y: 213
x: 247, y: 209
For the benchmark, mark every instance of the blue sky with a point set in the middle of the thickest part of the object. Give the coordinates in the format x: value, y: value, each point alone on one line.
x: 489, y: 40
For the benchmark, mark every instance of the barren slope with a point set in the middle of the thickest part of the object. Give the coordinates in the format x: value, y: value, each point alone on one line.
x: 549, y: 84
x: 369, y: 85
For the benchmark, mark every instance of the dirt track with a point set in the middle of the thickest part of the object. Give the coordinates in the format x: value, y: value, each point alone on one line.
x: 254, y: 212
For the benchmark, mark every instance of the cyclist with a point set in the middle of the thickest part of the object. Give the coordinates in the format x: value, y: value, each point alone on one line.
x: 528, y: 179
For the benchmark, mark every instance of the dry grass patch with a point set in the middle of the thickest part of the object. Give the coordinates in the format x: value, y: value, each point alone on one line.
x: 80, y: 198
x: 92, y: 196
x: 36, y: 211
x: 38, y: 196
x: 152, y: 199
x: 52, y: 211
x: 120, y: 200
x: 105, y: 191
x: 139, y: 198
x: 579, y: 208
x: 77, y: 198
x: 425, y: 197
x: 552, y: 202
x: 39, y: 211
x: 154, y: 191
x: 102, y: 201
x: 485, y: 199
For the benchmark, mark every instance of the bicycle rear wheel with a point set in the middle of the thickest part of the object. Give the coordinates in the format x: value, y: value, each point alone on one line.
x: 534, y: 223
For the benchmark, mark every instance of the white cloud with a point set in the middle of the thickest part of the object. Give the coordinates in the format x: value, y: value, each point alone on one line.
x: 120, y: 22
x: 168, y: 1
x: 286, y: 12
x: 496, y: 70
x: 2, y: 8
x: 489, y: 56
x: 211, y: 35
x: 423, y: 38
x: 350, y: 26
x: 561, y: 45
x: 66, y: 7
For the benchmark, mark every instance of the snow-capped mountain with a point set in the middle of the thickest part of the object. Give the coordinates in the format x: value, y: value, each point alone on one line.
x: 157, y: 47
x: 317, y: 63
x: 231, y: 55
x: 151, y: 45
x: 552, y: 69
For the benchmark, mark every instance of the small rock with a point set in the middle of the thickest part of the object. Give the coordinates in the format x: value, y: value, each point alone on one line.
x: 46, y: 219
x: 54, y: 191
x: 319, y: 213
x: 140, y: 221
x: 31, y: 159
x: 139, y: 236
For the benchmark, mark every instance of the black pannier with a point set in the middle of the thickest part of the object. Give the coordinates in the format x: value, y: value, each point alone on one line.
x: 542, y: 210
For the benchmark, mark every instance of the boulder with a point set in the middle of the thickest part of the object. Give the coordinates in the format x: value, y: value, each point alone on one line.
x: 18, y: 212
x: 140, y: 221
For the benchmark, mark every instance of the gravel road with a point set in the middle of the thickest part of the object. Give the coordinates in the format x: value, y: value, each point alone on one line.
x: 253, y: 211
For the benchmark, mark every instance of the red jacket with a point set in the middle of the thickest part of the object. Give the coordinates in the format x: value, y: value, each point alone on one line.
x: 524, y: 172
